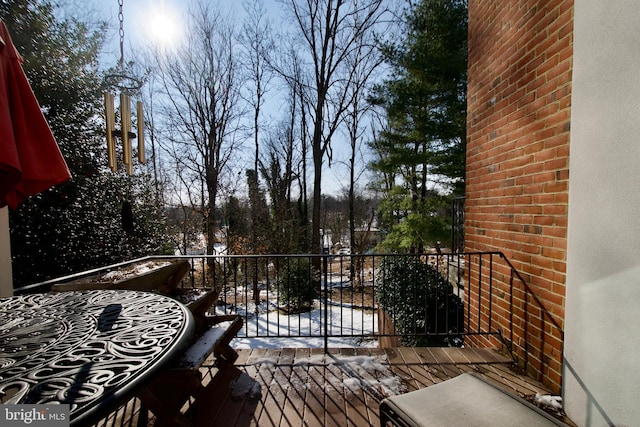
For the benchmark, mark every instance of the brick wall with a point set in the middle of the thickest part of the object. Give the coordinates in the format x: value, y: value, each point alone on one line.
x: 519, y: 99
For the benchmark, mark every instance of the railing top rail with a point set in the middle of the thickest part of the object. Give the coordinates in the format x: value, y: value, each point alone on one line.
x: 74, y: 276
x: 544, y: 309
x: 307, y: 255
x: 86, y: 273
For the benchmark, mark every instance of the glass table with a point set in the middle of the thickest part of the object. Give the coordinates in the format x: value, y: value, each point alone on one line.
x: 89, y: 349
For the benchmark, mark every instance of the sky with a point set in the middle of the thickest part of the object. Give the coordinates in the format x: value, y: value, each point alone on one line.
x: 160, y: 21
x: 152, y: 20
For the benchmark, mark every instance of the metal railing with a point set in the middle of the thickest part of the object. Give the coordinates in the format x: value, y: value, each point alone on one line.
x: 341, y: 300
x: 457, y: 224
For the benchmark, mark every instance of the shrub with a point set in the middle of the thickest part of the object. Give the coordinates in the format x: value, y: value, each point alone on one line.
x: 418, y: 298
x: 296, y: 285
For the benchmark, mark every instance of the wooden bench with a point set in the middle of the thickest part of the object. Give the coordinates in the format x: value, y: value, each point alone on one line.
x: 170, y: 389
x: 466, y: 400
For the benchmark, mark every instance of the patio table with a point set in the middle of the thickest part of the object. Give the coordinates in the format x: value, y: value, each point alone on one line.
x: 89, y: 349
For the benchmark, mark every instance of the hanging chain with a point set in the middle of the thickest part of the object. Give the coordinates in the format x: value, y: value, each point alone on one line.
x: 121, y: 18
x: 120, y: 79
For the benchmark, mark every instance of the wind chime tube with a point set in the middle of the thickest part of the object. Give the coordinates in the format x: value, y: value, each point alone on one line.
x: 141, y: 154
x: 125, y: 118
x: 110, y: 125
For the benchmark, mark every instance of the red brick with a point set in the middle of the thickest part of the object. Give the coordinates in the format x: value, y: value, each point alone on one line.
x: 520, y: 54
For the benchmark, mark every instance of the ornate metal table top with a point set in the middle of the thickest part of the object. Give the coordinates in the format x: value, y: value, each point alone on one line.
x: 89, y: 349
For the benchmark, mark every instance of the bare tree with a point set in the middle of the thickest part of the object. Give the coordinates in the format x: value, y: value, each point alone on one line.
x: 201, y: 85
x: 278, y: 169
x: 257, y: 44
x: 283, y: 164
x: 329, y: 31
x: 293, y: 133
x: 364, y: 62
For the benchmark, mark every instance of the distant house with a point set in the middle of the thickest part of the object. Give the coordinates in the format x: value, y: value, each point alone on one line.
x: 553, y: 171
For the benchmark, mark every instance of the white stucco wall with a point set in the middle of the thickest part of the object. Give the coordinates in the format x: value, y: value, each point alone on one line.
x: 602, y: 324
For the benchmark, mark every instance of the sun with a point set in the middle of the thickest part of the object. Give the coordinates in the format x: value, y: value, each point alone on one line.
x: 164, y: 27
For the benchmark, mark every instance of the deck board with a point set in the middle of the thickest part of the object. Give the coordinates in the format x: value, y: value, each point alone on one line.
x: 314, y: 396
x: 306, y: 387
x: 422, y: 377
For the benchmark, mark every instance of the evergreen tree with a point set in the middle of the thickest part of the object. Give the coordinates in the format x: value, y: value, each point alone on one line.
x: 237, y: 220
x: 423, y: 145
x: 98, y: 217
x: 259, y: 213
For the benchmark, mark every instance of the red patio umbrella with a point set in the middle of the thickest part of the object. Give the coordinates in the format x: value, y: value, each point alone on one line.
x: 30, y: 160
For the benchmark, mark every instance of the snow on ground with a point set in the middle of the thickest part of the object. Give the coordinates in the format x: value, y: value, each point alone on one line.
x: 370, y: 373
x: 355, y: 373
x: 267, y: 327
x: 291, y: 331
x: 549, y: 403
x: 133, y: 270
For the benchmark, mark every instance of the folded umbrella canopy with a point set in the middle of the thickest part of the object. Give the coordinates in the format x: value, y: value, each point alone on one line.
x: 30, y: 159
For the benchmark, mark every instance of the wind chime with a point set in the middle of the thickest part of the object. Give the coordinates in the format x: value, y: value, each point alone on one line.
x: 124, y: 133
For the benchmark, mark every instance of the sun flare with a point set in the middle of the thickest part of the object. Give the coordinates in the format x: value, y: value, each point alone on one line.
x: 164, y: 27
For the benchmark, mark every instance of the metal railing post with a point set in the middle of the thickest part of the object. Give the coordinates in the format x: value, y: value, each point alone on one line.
x: 326, y: 304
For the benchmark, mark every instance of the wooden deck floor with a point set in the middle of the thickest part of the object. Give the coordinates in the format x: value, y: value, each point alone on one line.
x: 305, y: 387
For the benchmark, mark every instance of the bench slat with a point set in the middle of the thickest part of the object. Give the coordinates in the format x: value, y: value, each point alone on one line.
x: 196, y: 354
